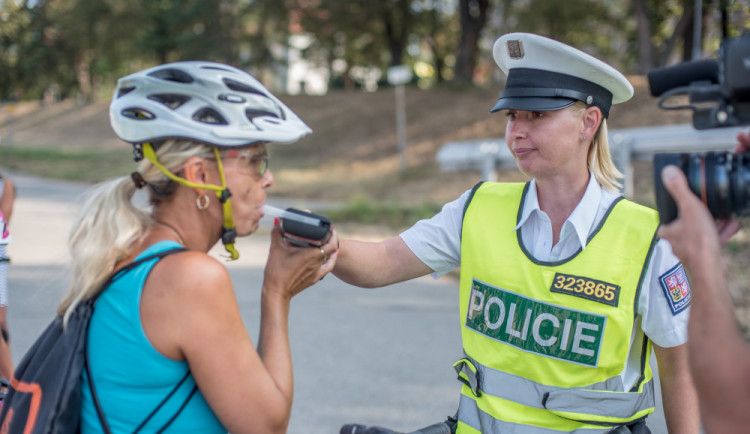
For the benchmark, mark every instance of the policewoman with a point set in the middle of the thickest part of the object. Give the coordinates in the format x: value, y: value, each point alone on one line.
x: 565, y: 288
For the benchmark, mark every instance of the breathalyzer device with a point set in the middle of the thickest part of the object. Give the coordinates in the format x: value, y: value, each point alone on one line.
x: 301, y: 228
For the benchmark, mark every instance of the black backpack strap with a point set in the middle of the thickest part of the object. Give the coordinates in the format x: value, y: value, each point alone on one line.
x: 179, y: 410
x: 94, y: 397
x: 120, y: 273
x: 164, y: 401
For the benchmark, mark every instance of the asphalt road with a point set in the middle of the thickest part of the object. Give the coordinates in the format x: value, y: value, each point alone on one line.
x: 380, y: 357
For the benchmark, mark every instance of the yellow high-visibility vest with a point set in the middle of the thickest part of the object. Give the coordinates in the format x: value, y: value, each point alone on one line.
x: 546, y: 342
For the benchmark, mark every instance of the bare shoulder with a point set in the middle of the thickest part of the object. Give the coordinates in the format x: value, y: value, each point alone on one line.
x: 190, y: 273
x: 185, y: 299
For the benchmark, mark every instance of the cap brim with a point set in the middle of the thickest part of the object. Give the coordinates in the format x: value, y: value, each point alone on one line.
x: 532, y: 104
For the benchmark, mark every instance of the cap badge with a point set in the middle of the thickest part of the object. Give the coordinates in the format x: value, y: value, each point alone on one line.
x: 589, y: 100
x: 515, y: 49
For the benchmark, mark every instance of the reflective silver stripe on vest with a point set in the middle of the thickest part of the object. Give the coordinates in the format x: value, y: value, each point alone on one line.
x: 606, y: 399
x: 470, y: 414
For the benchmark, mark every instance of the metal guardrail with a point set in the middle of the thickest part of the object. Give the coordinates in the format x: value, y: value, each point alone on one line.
x: 626, y: 145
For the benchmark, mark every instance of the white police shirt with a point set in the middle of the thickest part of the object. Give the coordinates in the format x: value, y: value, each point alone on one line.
x: 437, y: 243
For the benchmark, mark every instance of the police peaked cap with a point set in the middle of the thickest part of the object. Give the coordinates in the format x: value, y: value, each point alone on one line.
x: 544, y: 74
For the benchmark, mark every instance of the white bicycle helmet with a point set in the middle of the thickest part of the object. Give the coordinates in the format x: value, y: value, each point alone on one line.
x: 213, y: 103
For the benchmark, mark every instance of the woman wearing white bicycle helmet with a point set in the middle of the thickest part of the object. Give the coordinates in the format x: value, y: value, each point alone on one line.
x: 167, y: 345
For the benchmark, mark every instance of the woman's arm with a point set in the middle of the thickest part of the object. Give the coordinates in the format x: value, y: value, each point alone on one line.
x: 7, y: 199
x: 189, y: 312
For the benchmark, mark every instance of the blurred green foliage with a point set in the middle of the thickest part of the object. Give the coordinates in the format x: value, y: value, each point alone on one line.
x: 74, y: 48
x: 364, y: 210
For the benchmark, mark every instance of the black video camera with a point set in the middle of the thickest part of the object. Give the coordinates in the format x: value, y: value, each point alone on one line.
x: 719, y: 95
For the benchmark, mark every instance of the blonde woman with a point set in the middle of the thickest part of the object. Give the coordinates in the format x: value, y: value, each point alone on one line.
x: 167, y: 346
x: 565, y: 288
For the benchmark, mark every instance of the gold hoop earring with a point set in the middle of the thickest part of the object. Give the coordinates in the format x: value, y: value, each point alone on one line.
x: 202, y: 201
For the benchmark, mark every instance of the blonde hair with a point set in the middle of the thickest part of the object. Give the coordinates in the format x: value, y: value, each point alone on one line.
x: 600, y: 158
x: 109, y: 225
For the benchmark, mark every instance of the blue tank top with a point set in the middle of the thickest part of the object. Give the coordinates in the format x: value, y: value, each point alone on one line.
x: 130, y: 376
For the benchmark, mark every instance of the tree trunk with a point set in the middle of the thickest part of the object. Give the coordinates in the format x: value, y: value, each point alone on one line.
x: 689, y: 43
x: 83, y: 74
x: 645, y: 47
x: 723, y: 10
x: 684, y: 25
x: 395, y: 46
x: 396, y: 30
x: 473, y: 15
x: 438, y: 55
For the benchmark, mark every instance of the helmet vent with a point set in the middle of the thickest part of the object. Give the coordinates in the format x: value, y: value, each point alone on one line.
x: 171, y: 100
x: 138, y: 114
x: 216, y: 68
x: 228, y: 97
x: 255, y: 113
x: 241, y: 87
x: 172, y: 74
x: 125, y: 90
x: 208, y: 115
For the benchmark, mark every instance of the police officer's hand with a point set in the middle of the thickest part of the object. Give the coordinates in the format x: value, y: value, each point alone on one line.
x: 693, y: 235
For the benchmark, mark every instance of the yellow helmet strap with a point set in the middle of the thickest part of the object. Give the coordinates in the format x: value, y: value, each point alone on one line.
x: 228, y: 231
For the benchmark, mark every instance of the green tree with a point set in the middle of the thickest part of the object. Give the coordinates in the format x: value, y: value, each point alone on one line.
x: 264, y: 36
x: 585, y: 24
x: 349, y: 34
x: 70, y: 44
x: 438, y: 27
x: 177, y: 30
x: 14, y: 22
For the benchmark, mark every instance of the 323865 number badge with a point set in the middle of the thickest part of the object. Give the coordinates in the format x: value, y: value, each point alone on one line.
x: 584, y: 287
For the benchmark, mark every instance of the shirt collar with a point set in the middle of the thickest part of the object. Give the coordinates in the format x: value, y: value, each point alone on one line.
x: 582, y: 217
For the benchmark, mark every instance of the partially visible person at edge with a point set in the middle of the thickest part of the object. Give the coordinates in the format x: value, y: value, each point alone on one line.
x: 200, y: 130
x: 7, y: 198
x: 564, y: 286
x: 719, y: 355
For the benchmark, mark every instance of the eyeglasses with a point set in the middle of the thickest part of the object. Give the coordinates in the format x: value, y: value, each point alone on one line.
x: 250, y: 161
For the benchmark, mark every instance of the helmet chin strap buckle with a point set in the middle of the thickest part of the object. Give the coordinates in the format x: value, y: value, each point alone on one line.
x: 228, y: 237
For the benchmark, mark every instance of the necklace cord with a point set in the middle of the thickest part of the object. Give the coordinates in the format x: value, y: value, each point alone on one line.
x: 179, y: 237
